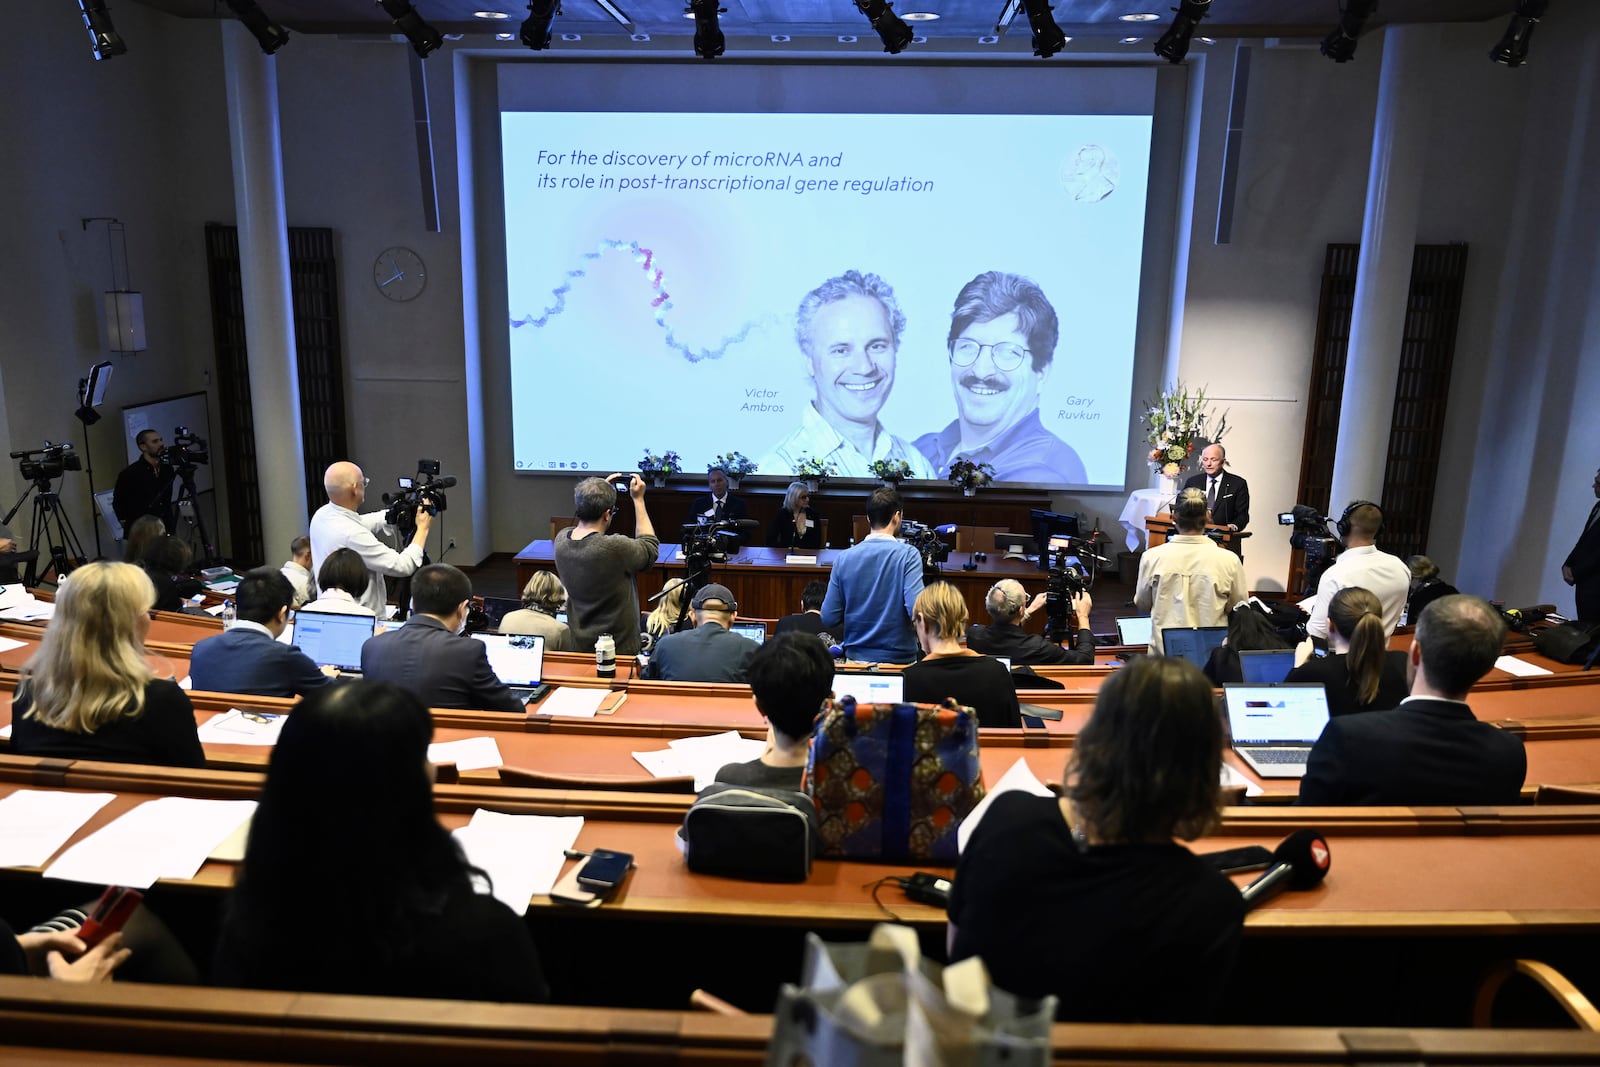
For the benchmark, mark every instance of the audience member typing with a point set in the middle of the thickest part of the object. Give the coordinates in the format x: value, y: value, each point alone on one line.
x: 1360, y: 673
x: 166, y: 560
x: 247, y: 657
x: 342, y: 579
x: 708, y: 652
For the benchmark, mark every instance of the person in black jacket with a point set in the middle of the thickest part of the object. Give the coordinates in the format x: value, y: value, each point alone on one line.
x: 808, y: 620
x: 948, y: 671
x: 795, y: 525
x: 1360, y: 674
x: 1582, y: 566
x: 166, y: 559
x: 1009, y: 608
x: 349, y: 882
x: 1426, y: 587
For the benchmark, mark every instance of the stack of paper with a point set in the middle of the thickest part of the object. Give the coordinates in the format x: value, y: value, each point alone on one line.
x: 165, y: 838
x: 522, y: 854
x: 235, y: 727
x: 34, y: 823
x: 17, y: 603
x: 573, y: 702
x: 700, y: 757
x: 468, y: 754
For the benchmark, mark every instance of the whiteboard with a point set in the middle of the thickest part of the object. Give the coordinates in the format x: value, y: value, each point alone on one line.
x: 164, y: 416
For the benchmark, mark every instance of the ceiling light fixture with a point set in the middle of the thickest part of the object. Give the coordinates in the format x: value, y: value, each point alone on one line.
x: 894, y: 33
x: 268, y: 34
x: 1174, y: 44
x: 1512, y: 51
x: 1340, y: 44
x: 1139, y: 16
x: 1048, y: 39
x: 535, y: 32
x: 425, y: 40
x: 709, y: 42
x: 103, y: 36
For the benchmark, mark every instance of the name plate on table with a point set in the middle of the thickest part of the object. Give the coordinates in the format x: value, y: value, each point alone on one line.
x: 804, y: 561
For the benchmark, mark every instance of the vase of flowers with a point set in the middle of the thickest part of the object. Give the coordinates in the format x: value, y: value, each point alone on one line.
x: 659, y: 468
x: 890, y: 472
x: 1174, y: 424
x: 813, y: 471
x: 735, y: 465
x: 968, y: 476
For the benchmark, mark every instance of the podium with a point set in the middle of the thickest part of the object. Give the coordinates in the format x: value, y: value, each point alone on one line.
x: 1160, y: 526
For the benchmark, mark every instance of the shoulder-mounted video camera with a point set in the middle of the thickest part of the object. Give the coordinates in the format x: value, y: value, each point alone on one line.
x: 426, y: 490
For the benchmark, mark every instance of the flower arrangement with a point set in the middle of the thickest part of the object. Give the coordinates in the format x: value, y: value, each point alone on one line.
x: 809, y: 468
x: 733, y: 464
x: 1174, y: 423
x: 890, y: 471
x: 661, y: 467
x: 968, y: 476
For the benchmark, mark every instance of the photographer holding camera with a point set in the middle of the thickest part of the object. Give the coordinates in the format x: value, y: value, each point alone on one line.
x: 144, y: 487
x: 339, y: 524
x: 598, y: 568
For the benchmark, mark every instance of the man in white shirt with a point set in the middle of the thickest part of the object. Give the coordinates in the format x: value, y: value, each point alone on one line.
x: 298, y: 570
x: 1362, y: 565
x: 1189, y: 580
x: 338, y: 524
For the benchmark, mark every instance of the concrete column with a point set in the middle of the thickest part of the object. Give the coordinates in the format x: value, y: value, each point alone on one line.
x: 1388, y: 237
x: 252, y: 85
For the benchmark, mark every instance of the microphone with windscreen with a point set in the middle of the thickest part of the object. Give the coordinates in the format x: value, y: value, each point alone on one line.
x: 1300, y: 861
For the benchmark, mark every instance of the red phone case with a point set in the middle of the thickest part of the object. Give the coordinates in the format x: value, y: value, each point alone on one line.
x: 110, y: 913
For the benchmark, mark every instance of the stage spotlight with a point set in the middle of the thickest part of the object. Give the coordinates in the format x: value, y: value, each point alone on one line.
x: 708, y: 40
x: 895, y: 33
x: 1340, y: 44
x: 536, y: 27
x: 103, y: 36
x: 1047, y: 36
x: 1512, y: 51
x: 1174, y: 44
x: 268, y: 34
x: 425, y: 40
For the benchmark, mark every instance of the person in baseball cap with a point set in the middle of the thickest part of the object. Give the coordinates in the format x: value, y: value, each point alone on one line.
x: 709, y: 652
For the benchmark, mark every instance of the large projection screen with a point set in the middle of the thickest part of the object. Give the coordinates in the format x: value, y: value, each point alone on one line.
x: 661, y: 240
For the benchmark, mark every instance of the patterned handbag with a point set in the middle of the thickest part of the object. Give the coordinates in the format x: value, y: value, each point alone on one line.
x: 893, y: 781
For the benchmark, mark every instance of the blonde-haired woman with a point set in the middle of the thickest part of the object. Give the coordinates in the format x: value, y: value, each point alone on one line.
x: 663, y: 619
x: 542, y: 597
x: 88, y: 693
x: 949, y: 669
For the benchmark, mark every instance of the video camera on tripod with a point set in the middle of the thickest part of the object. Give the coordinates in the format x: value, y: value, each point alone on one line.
x: 928, y: 541
x: 49, y: 462
x: 51, y: 527
x: 187, y: 450
x: 426, y: 490
x: 1070, y: 564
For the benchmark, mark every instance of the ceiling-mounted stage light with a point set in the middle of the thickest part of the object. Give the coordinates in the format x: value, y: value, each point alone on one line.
x: 536, y: 27
x: 1047, y: 36
x: 268, y: 34
x: 425, y: 40
x: 896, y: 35
x: 708, y: 40
x: 1512, y: 51
x: 1174, y: 44
x: 1340, y: 44
x: 103, y: 36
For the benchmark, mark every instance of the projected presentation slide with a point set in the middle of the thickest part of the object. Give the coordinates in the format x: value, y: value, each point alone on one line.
x: 844, y: 287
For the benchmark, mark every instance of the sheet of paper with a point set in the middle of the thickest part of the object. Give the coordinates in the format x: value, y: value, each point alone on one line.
x: 522, y: 854
x: 235, y: 727
x: 7, y: 644
x: 231, y: 848
x: 34, y: 823
x: 1231, y: 776
x: 1018, y: 776
x: 1520, y: 667
x: 29, y: 610
x: 700, y: 757
x: 165, y: 838
x: 468, y: 754
x: 186, y: 682
x: 572, y: 702
x: 12, y: 595
x: 5, y: 731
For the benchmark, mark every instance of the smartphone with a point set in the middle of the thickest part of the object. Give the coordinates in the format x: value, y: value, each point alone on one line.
x: 110, y: 913
x: 1234, y: 860
x: 605, y: 870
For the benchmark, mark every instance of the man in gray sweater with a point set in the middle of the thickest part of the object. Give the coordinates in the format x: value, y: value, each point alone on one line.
x: 598, y: 568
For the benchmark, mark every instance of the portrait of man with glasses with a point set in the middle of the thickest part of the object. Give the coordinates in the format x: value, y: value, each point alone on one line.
x: 1002, y: 339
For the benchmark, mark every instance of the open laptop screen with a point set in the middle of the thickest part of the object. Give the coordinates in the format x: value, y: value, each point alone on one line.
x: 516, y: 659
x: 1133, y: 630
x: 1193, y: 643
x: 333, y: 639
x: 869, y: 688
x: 1269, y: 665
x: 755, y: 631
x: 1269, y: 714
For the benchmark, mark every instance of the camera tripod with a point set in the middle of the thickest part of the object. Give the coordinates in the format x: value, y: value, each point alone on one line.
x: 50, y: 526
x: 186, y: 495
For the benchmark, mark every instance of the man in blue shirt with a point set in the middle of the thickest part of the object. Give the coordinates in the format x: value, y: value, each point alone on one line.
x: 873, y: 588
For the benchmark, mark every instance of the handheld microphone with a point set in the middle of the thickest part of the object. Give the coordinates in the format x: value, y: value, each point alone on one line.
x: 1300, y: 861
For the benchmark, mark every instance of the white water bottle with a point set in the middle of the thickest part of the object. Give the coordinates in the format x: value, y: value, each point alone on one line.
x: 605, y: 656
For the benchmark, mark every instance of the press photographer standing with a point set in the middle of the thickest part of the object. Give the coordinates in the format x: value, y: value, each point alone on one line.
x: 598, y: 568
x: 339, y: 524
x: 145, y: 486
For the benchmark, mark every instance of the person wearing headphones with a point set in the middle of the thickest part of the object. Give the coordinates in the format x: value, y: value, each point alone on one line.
x: 1362, y: 564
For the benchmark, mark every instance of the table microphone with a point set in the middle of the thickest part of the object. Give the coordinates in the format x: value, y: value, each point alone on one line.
x: 1300, y: 861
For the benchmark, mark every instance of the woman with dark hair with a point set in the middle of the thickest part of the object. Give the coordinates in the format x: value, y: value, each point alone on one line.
x: 1088, y: 896
x: 1426, y: 587
x: 1360, y: 673
x: 166, y: 560
x: 349, y: 882
x: 795, y: 525
x: 342, y: 581
x: 1248, y: 631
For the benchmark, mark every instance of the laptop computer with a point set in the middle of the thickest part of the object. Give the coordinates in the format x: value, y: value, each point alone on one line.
x: 332, y: 638
x: 1269, y: 665
x: 869, y: 688
x: 755, y: 631
x: 1193, y: 643
x: 1274, y: 726
x: 1133, y: 630
x: 496, y: 608
x: 518, y: 661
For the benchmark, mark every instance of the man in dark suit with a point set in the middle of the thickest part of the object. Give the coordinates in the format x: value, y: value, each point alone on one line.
x: 1227, y: 494
x: 430, y: 657
x: 1430, y: 749
x: 718, y: 505
x: 809, y: 619
x: 1582, y: 568
x: 709, y: 652
x: 248, y: 657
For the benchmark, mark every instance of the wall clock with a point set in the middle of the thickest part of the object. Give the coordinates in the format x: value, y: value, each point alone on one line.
x: 399, y: 274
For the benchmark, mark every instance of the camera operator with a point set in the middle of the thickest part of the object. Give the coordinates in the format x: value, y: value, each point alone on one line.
x: 338, y: 524
x: 1009, y: 608
x: 144, y: 487
x: 1362, y: 564
x: 8, y: 546
x: 598, y: 568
